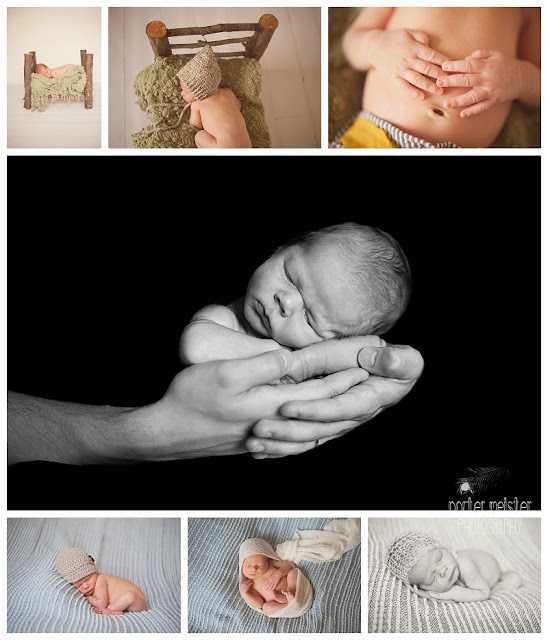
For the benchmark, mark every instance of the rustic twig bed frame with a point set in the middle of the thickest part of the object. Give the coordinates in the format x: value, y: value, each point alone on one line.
x: 254, y: 45
x: 86, y: 60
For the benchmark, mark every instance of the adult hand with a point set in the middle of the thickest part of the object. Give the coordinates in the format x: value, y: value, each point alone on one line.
x: 405, y: 56
x: 303, y: 424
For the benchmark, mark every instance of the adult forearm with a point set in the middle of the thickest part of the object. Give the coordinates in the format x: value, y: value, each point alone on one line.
x: 65, y: 432
x: 530, y: 89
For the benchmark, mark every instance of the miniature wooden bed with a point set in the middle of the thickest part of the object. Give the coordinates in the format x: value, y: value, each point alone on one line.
x: 254, y: 46
x: 86, y: 60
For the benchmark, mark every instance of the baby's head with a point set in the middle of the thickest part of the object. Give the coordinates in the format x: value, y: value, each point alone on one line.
x: 255, y: 566
x: 78, y: 568
x: 201, y: 76
x: 420, y: 560
x: 43, y: 70
x: 340, y: 281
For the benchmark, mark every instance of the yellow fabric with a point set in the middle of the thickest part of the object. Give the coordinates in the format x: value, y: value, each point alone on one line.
x: 363, y: 134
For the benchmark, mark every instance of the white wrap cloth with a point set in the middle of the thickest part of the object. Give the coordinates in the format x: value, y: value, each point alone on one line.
x: 328, y: 545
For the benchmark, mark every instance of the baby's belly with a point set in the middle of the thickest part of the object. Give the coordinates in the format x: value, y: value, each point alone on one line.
x: 269, y: 595
x: 455, y: 32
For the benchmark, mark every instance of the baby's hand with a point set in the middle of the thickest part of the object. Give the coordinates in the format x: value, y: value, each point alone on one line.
x: 429, y: 595
x: 404, y: 55
x: 272, y: 582
x: 492, y: 76
x: 245, y: 586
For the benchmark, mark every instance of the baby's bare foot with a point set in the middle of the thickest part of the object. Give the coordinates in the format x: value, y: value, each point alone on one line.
x: 278, y: 597
x: 290, y: 596
x: 107, y: 612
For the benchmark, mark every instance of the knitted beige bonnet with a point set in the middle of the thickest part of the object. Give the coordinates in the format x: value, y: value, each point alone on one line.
x: 74, y: 564
x: 406, y: 550
x: 202, y: 74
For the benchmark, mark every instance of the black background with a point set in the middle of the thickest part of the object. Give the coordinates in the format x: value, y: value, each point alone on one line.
x: 101, y: 285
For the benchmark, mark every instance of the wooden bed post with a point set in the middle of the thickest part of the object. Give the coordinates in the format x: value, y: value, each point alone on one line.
x: 256, y: 45
x: 87, y: 63
x: 157, y: 36
x: 30, y: 64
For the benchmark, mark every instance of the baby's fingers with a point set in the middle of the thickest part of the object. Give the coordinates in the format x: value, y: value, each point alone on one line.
x: 466, y: 99
x: 479, y: 107
x: 418, y: 80
x: 460, y: 80
x: 409, y: 89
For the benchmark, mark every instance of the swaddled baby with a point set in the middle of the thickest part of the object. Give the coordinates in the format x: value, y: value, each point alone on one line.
x: 433, y: 571
x: 216, y: 112
x: 108, y: 595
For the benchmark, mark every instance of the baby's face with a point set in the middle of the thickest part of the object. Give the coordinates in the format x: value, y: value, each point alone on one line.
x: 298, y: 297
x: 255, y: 566
x: 437, y: 570
x: 86, y: 585
x: 43, y: 70
x: 187, y: 94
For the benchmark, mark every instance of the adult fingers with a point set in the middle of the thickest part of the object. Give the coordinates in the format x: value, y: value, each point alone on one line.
x: 420, y: 81
x: 431, y: 55
x: 461, y: 80
x: 268, y: 399
x: 393, y: 361
x: 330, y: 356
x: 408, y: 88
x: 279, y: 449
x: 246, y: 373
x: 463, y: 66
x: 479, y: 107
x: 299, y: 430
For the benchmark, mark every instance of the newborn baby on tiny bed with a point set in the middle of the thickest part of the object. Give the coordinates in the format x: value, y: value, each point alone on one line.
x: 108, y: 595
x: 433, y: 571
x: 56, y: 73
x: 344, y: 280
x: 216, y: 112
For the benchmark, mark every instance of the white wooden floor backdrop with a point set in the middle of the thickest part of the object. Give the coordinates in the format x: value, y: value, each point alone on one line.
x: 63, y: 125
x: 291, y: 67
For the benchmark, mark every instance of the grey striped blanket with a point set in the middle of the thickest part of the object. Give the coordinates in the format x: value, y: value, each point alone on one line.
x: 146, y: 551
x: 394, y: 608
x: 214, y: 601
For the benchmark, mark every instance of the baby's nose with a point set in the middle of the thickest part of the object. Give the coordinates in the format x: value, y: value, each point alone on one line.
x: 288, y: 301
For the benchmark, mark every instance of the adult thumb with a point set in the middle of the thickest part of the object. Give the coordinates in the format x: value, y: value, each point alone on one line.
x: 394, y: 361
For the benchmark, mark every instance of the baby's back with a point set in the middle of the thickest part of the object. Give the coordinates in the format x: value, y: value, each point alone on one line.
x: 485, y: 562
x: 59, y: 72
x: 116, y: 586
x: 455, y: 32
x: 222, y: 117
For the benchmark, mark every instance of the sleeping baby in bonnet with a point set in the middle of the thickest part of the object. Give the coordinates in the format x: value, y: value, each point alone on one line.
x: 435, y: 572
x: 108, y: 595
x: 441, y: 76
x: 344, y: 280
x: 216, y: 112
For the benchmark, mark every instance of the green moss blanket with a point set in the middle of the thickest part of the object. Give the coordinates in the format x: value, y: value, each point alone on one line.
x: 158, y: 83
x: 68, y: 87
x: 522, y: 128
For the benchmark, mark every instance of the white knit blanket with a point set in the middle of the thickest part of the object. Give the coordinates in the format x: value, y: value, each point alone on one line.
x: 145, y: 551
x: 394, y: 608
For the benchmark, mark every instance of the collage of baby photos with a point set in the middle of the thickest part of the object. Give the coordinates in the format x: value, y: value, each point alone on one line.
x: 296, y: 396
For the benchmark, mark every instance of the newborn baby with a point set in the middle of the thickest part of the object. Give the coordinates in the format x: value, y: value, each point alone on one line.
x: 429, y: 69
x: 435, y: 572
x: 58, y: 72
x: 108, y: 595
x: 270, y: 584
x: 344, y: 280
x: 216, y: 112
